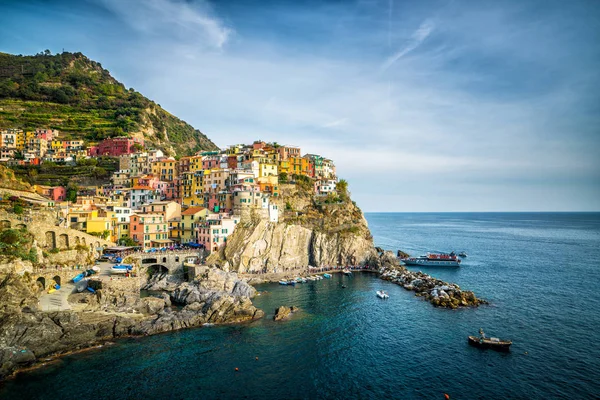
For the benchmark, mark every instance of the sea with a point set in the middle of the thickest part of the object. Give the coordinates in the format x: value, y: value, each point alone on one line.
x: 539, y: 272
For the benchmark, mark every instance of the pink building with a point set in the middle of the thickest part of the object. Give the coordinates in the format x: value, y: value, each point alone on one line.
x: 210, y: 162
x: 58, y: 193
x: 213, y: 232
x: 115, y: 147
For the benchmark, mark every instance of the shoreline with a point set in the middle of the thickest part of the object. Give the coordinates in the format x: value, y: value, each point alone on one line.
x: 393, y: 273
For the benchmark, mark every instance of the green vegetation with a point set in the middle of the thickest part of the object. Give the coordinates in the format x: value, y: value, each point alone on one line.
x: 303, y: 181
x: 75, y: 95
x: 127, y: 241
x: 18, y: 243
x: 8, y: 180
x: 58, y: 174
x: 342, y: 190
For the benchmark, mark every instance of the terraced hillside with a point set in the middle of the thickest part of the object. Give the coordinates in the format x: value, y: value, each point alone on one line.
x: 75, y: 95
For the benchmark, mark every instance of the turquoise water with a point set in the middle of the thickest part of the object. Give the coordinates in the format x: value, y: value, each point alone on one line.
x: 539, y: 272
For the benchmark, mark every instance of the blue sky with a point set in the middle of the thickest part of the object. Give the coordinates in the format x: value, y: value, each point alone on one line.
x: 424, y: 105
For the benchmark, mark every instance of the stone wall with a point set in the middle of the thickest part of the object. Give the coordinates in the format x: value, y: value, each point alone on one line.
x: 42, y: 224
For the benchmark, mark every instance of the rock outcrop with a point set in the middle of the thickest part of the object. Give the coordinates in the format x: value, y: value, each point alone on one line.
x: 310, y: 232
x: 284, y: 312
x: 28, y: 334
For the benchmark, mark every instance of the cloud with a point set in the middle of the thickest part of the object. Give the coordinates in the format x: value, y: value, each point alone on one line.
x: 190, y: 21
x: 416, y: 39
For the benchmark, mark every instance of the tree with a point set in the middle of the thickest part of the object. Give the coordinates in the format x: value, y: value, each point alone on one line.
x: 127, y: 241
x: 283, y: 177
x: 342, y: 189
x: 72, y: 193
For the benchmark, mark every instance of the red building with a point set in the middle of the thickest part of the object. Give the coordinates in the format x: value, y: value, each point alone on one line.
x: 115, y: 147
x: 58, y: 193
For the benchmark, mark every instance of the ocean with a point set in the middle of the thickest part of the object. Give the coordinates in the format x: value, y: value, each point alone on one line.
x: 539, y: 271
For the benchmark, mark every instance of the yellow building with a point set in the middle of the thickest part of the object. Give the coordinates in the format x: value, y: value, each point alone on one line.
x: 20, y: 140
x: 283, y: 167
x: 267, y: 167
x: 192, y: 187
x: 101, y: 223
x: 189, y: 222
x: 166, y: 170
x: 196, y: 163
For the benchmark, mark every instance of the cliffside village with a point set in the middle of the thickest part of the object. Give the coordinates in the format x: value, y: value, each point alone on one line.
x: 155, y: 201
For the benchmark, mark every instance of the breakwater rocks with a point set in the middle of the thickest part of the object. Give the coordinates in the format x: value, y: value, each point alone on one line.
x: 436, y: 291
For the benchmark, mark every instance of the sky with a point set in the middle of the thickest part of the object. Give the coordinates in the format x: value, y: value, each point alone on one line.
x: 425, y: 106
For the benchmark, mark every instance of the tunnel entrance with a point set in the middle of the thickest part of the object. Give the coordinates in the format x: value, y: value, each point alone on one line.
x: 41, y: 281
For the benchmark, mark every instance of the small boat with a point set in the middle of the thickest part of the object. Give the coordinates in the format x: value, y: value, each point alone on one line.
x: 489, y: 343
x: 91, y: 289
x: 117, y: 260
x: 78, y: 278
x: 121, y: 268
x: 283, y: 282
x: 96, y: 268
x: 347, y: 272
x: 343, y: 286
x: 382, y: 294
x: 327, y: 276
x: 292, y: 282
x: 462, y: 254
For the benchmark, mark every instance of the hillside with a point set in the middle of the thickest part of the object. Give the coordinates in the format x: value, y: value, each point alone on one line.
x: 75, y: 95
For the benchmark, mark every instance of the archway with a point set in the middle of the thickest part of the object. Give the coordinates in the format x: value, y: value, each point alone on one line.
x: 164, y: 259
x: 4, y: 224
x: 83, y: 241
x: 157, y: 269
x: 76, y: 240
x: 63, y: 241
x: 51, y: 239
x: 56, y: 279
x: 149, y: 261
x: 41, y: 281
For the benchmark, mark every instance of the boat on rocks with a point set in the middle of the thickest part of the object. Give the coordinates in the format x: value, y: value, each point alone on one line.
x: 382, y: 294
x: 121, y: 268
x: 489, y: 343
x: 77, y: 278
x: 434, y: 260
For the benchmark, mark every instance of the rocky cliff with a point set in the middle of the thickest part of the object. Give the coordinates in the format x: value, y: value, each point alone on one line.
x: 311, y: 231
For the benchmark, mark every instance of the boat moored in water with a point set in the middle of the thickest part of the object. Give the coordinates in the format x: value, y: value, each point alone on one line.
x: 434, y: 260
x: 382, y: 294
x: 346, y: 271
x: 462, y: 254
x: 489, y: 343
x: 327, y: 276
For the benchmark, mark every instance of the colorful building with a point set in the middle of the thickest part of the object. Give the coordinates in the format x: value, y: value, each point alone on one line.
x: 149, y: 230
x: 116, y: 147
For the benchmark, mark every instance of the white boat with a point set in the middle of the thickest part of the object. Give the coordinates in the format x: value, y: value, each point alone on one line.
x: 283, y: 282
x: 462, y: 254
x: 382, y: 294
x: 346, y: 271
x: 434, y: 259
x: 121, y: 268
